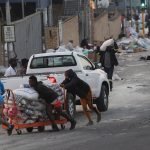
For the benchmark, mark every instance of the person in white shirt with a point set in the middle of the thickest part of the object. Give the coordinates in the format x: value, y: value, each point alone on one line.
x: 11, y: 71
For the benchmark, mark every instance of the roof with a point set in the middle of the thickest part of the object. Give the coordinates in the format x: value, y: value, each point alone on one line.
x: 17, y: 1
x: 54, y: 54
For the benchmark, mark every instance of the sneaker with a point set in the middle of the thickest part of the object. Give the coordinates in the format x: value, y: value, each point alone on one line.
x: 9, y: 130
x: 89, y: 123
x: 99, y: 117
x: 10, y: 127
x: 73, y: 124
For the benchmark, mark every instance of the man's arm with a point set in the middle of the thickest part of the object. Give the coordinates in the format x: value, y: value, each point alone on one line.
x: 70, y: 84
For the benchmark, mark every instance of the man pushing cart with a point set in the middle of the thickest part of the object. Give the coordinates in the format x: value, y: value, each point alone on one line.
x: 53, y: 110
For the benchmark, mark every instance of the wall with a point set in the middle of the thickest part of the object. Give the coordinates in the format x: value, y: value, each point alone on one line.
x: 101, y: 28
x: 115, y: 27
x: 71, y: 30
x: 28, y: 33
x: 1, y: 48
x: 51, y: 37
x: 57, y: 12
x: 105, y: 28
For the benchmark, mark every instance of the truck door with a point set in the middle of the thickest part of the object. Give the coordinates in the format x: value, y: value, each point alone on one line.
x: 88, y: 74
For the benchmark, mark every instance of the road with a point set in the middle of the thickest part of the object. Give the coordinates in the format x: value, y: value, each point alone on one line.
x: 125, y: 126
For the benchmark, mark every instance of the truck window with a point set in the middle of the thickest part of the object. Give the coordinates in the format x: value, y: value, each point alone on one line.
x: 52, y: 61
x: 86, y: 64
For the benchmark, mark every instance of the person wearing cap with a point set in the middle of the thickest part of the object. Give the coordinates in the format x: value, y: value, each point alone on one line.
x: 11, y: 71
x: 76, y: 86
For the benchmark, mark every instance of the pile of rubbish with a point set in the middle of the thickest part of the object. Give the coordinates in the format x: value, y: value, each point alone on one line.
x: 27, y: 104
x: 134, y: 43
x: 90, y: 53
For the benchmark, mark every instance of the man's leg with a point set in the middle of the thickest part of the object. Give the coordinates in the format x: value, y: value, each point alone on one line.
x: 4, y: 121
x: 51, y: 117
x: 110, y: 74
x: 86, y: 112
x: 67, y: 116
x: 8, y: 125
x: 90, y: 105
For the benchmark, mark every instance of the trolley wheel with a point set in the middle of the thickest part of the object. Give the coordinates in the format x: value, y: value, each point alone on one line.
x: 30, y: 129
x: 62, y: 126
x: 9, y: 132
x: 19, y: 132
x: 41, y: 128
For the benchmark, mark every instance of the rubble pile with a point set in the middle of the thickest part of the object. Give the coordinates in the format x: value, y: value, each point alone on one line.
x: 134, y: 43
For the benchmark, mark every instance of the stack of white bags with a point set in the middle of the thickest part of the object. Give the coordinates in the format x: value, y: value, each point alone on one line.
x: 29, y: 105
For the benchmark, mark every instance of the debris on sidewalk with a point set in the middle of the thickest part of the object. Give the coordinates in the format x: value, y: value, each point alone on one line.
x: 145, y: 57
x: 134, y: 43
x: 116, y: 77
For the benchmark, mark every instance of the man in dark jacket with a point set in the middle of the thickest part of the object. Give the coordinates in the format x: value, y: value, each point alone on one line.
x: 50, y: 96
x: 108, y: 60
x: 78, y: 87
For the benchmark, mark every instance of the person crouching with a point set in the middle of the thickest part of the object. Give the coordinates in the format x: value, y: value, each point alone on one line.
x: 50, y: 96
x: 78, y: 87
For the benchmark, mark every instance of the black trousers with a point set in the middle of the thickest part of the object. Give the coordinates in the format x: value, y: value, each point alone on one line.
x: 49, y: 110
x: 109, y: 72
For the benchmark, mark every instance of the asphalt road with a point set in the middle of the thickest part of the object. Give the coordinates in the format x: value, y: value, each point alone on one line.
x: 125, y: 126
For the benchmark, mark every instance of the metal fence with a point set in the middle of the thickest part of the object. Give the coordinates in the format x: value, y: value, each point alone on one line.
x: 28, y: 32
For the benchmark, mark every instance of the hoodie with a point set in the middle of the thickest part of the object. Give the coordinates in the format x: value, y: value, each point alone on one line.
x: 75, y: 85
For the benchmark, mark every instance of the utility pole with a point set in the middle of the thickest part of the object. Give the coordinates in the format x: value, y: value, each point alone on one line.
x: 8, y: 22
x: 125, y: 8
x: 8, y: 17
x: 60, y: 30
x: 143, y: 24
x: 90, y: 22
x: 50, y: 13
x: 22, y: 2
x: 131, y: 12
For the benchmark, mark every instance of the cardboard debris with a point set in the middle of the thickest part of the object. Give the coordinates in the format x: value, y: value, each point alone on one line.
x: 136, y: 50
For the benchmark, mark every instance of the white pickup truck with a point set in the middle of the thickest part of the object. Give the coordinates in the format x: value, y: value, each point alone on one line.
x: 53, y: 65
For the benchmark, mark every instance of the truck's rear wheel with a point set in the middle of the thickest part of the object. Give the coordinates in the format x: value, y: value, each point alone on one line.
x: 102, y: 101
x: 70, y: 105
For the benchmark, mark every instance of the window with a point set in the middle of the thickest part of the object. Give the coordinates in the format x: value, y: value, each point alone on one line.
x: 52, y: 61
x: 86, y: 64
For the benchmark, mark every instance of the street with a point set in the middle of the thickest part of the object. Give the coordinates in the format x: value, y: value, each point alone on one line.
x: 125, y: 126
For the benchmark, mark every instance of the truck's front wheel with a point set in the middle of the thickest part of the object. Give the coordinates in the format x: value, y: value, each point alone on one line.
x: 102, y: 100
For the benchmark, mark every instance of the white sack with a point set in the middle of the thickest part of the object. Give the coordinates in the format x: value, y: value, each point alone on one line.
x: 27, y: 93
x: 106, y: 43
x: 102, y: 3
x: 62, y: 49
x: 37, y: 106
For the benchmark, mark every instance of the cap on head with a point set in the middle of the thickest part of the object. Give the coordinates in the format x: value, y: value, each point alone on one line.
x: 34, y: 78
x: 12, y: 60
